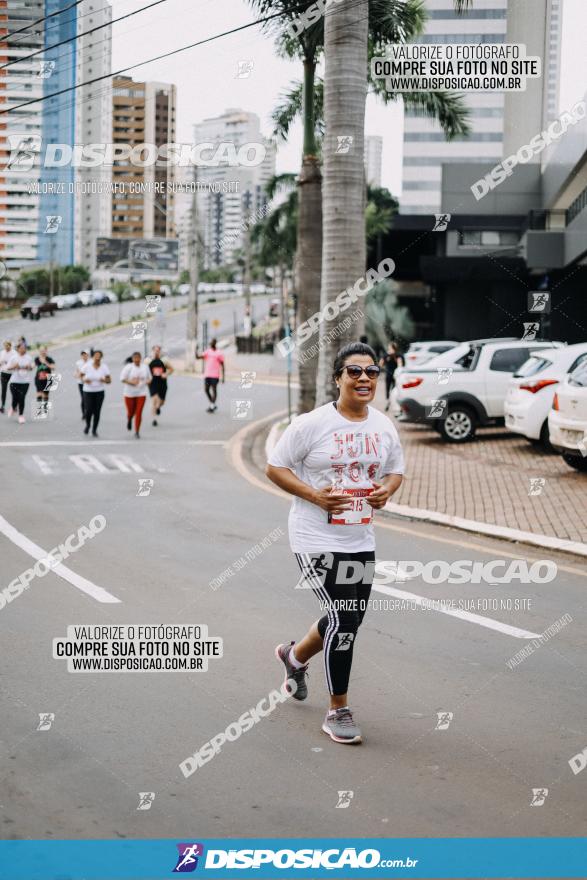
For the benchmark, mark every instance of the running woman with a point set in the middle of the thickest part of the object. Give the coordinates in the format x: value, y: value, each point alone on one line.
x: 213, y: 365
x: 5, y: 356
x: 390, y: 362
x: 340, y: 462
x: 21, y: 367
x: 160, y: 371
x: 79, y: 368
x: 135, y: 377
x: 95, y: 375
x: 44, y: 366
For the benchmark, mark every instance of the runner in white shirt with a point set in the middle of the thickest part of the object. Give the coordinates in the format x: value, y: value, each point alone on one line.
x: 95, y: 375
x: 339, y: 462
x: 79, y: 368
x: 5, y: 355
x: 20, y: 366
x: 135, y: 377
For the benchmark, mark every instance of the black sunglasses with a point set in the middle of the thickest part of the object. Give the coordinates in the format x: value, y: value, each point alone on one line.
x: 354, y: 371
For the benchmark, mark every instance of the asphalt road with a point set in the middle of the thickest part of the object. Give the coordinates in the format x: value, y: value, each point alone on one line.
x: 69, y: 322
x: 117, y: 734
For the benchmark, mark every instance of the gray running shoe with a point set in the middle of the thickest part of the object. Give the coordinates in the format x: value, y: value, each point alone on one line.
x: 341, y: 727
x: 298, y: 675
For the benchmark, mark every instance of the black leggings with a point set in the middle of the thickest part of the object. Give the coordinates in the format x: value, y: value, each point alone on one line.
x: 18, y: 391
x: 93, y: 401
x: 345, y: 605
x: 5, y: 379
x: 81, y: 394
x: 389, y: 383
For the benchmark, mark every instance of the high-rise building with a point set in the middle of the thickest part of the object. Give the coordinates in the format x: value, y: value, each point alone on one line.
x: 93, y: 200
x: 538, y: 25
x: 237, y: 193
x: 142, y: 113
x: 20, y: 132
x: 45, y: 218
x: 373, y: 151
x: 425, y: 146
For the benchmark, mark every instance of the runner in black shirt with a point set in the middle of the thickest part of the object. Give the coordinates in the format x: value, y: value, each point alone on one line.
x: 390, y: 362
x: 44, y: 366
x: 160, y: 370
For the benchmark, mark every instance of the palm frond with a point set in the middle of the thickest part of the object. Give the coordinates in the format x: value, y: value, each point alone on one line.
x: 395, y: 21
x: 290, y: 108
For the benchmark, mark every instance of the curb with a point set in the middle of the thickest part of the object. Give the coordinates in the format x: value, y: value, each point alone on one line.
x: 458, y: 522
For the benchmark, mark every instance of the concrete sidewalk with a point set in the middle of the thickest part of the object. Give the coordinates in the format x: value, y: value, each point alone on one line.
x: 490, y: 480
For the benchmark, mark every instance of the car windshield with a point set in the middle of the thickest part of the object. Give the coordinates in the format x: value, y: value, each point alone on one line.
x: 532, y: 366
x: 579, y: 374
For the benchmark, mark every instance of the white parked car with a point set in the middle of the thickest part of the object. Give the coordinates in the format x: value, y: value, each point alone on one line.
x: 529, y: 398
x: 567, y: 420
x: 464, y: 388
x: 420, y: 352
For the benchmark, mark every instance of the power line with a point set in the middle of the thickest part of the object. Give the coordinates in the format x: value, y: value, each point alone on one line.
x: 98, y: 94
x: 45, y: 18
x: 78, y: 36
x: 147, y: 61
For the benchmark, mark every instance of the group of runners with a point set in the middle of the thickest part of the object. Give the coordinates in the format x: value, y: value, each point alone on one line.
x: 17, y: 370
x: 340, y: 462
x: 139, y: 377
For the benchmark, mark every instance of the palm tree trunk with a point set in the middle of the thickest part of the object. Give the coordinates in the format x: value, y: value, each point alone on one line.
x: 343, y: 192
x: 309, y: 243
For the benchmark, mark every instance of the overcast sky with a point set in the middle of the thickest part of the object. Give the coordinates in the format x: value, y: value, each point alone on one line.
x: 206, y: 75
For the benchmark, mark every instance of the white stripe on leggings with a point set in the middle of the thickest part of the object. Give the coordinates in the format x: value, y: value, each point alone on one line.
x: 333, y: 620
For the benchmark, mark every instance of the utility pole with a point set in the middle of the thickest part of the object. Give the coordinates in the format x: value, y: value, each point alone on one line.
x: 192, y: 317
x: 247, y: 267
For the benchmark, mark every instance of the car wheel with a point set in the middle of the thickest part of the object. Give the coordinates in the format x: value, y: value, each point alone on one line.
x: 545, y: 439
x: 575, y: 461
x: 459, y: 426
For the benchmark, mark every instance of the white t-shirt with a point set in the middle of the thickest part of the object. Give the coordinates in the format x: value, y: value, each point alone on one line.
x: 322, y: 447
x: 5, y: 358
x: 95, y: 374
x: 21, y: 375
x: 80, y: 367
x: 142, y: 373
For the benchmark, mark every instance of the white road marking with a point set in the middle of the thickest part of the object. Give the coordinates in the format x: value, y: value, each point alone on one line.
x: 76, y: 580
x: 126, y: 464
x: 45, y: 464
x: 487, y: 622
x: 89, y: 464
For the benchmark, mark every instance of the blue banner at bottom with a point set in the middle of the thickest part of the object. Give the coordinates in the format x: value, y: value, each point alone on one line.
x: 294, y: 857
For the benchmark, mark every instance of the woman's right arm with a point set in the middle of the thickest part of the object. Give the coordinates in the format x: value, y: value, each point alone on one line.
x: 333, y: 502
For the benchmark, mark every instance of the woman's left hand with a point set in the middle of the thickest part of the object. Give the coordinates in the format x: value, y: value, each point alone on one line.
x: 379, y: 496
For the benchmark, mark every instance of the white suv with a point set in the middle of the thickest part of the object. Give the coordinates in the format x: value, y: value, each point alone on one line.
x: 464, y: 388
x: 567, y: 421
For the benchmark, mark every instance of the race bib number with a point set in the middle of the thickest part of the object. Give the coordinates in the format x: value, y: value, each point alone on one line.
x: 157, y: 371
x: 359, y: 514
x: 42, y: 375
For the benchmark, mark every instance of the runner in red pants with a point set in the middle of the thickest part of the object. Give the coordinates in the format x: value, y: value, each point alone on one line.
x: 135, y: 377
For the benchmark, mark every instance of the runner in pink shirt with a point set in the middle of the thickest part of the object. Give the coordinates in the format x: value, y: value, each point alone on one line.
x: 213, y: 366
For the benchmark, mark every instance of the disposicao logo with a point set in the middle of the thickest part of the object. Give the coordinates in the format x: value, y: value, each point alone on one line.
x: 187, y: 859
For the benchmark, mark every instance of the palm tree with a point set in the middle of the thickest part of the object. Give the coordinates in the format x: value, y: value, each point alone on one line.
x: 274, y: 237
x: 349, y: 27
x: 344, y: 253
x: 309, y: 253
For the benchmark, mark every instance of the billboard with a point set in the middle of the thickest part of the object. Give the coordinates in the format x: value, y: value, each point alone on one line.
x: 138, y: 254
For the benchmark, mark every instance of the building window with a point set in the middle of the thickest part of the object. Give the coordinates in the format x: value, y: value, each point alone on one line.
x: 487, y: 238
